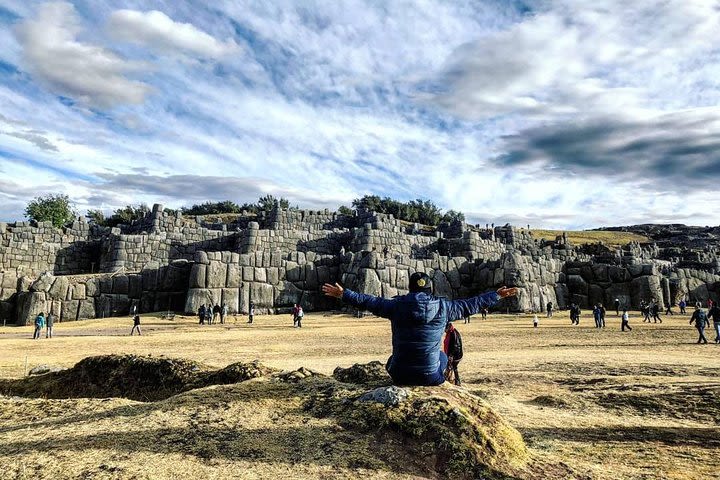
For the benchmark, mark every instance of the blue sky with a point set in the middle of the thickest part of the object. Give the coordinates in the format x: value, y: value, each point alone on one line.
x: 561, y: 114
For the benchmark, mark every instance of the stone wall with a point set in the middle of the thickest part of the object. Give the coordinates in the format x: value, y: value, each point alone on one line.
x: 28, y: 249
x: 77, y: 297
x: 272, y: 280
x: 167, y: 261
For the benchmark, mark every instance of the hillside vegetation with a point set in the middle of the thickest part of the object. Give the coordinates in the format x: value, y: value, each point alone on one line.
x: 581, y: 237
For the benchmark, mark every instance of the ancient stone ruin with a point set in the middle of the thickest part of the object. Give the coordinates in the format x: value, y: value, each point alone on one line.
x: 167, y: 262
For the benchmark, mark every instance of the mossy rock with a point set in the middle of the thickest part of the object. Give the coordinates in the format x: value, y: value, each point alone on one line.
x: 458, y: 434
x: 237, y: 372
x: 369, y: 374
x: 130, y: 376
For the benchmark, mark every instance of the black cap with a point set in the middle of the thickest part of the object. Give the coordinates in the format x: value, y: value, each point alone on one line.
x: 420, y: 282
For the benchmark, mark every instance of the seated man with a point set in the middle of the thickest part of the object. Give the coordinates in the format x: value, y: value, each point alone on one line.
x: 418, y: 322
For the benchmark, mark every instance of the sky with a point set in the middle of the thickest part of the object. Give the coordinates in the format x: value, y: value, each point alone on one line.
x: 564, y: 114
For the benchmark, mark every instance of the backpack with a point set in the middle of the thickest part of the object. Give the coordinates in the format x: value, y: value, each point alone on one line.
x: 456, y: 347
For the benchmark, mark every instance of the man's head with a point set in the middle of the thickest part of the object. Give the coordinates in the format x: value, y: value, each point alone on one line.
x: 448, y: 326
x: 420, y: 282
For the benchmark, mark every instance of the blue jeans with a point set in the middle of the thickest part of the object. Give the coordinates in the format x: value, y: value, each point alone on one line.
x: 717, y: 331
x: 419, y: 379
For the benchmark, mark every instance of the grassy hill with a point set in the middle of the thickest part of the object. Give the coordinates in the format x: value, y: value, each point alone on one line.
x: 581, y: 237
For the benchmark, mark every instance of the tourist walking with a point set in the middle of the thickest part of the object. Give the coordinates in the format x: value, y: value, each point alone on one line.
x: 136, y: 325
x: 453, y: 348
x: 625, y: 321
x: 668, y: 310
x: 417, y: 321
x: 701, y: 321
x: 39, y: 325
x: 49, y: 324
x: 602, y: 315
x: 714, y: 313
x: 535, y: 321
x: 645, y: 310
x: 251, y: 312
x: 483, y: 314
x: 574, y: 314
x: 549, y: 309
x: 216, y: 313
x: 617, y: 307
x: 655, y: 311
x: 682, y: 306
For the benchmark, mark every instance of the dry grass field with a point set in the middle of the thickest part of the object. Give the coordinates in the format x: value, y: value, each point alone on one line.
x: 580, y: 237
x: 606, y: 404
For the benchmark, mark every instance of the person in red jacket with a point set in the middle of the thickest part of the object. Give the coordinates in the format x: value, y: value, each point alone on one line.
x: 452, y: 346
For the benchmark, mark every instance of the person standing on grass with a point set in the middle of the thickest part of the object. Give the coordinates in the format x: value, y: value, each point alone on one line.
x: 535, y: 321
x: 223, y: 313
x: 625, y: 321
x: 136, y: 325
x: 549, y: 309
x: 701, y: 321
x: 39, y: 324
x: 668, y: 310
x: 417, y: 321
x: 617, y: 307
x: 602, y: 315
x: 216, y: 313
x: 299, y: 316
x: 201, y: 314
x: 483, y: 314
x: 714, y: 313
x: 49, y: 323
x: 251, y: 312
x: 294, y: 313
x: 596, y: 315
x: 452, y: 346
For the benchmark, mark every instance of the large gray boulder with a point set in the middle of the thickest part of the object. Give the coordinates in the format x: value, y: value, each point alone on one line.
x: 388, y: 396
x: 29, y: 305
x: 43, y: 283
x: 368, y: 282
x: 59, y: 288
x: 216, y: 275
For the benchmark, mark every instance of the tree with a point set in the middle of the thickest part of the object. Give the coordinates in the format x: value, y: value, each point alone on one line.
x: 96, y: 216
x: 55, y: 208
x: 452, y: 216
x: 420, y: 211
x: 267, y: 203
x: 213, y: 208
x: 126, y: 215
x: 343, y: 210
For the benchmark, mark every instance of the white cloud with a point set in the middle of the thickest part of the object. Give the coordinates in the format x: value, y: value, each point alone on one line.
x: 90, y: 74
x: 158, y: 31
x: 583, y: 58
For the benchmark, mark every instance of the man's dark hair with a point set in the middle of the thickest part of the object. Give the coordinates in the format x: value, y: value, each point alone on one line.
x: 420, y: 282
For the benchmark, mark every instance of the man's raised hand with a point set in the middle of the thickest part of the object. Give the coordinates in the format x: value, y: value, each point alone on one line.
x: 507, y: 292
x: 333, y: 290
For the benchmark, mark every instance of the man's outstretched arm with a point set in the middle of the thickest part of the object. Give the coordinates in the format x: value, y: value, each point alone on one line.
x: 470, y: 306
x: 377, y: 305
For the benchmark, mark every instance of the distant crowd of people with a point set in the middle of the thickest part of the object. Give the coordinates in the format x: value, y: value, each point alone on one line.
x: 209, y: 314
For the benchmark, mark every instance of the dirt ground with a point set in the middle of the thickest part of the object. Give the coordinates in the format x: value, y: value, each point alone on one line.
x: 610, y: 405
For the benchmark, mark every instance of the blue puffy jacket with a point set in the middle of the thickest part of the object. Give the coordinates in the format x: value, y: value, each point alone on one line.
x: 418, y: 322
